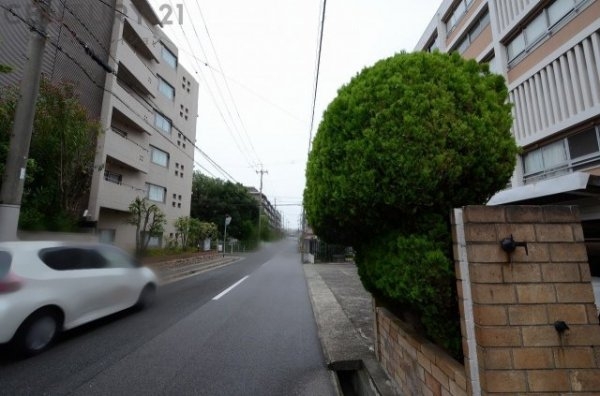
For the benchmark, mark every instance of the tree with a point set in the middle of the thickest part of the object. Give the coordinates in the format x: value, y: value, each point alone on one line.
x: 403, y: 143
x: 212, y: 199
x: 192, y: 232
x: 61, y: 156
x: 148, y: 220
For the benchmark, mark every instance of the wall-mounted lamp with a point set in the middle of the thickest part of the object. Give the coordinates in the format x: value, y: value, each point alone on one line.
x: 509, y: 245
x: 560, y: 326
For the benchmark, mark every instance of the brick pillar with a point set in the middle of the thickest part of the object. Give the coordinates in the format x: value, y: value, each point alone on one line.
x: 510, y: 303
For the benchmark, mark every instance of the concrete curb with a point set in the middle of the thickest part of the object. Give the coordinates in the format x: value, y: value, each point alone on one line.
x: 343, y: 347
x: 167, y: 273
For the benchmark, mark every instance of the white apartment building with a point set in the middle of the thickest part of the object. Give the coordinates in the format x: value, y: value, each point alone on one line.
x: 147, y: 108
x: 148, y: 113
x: 549, y: 53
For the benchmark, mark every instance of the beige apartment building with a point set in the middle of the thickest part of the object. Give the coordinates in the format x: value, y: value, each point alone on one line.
x: 149, y: 112
x: 147, y: 108
x: 549, y: 53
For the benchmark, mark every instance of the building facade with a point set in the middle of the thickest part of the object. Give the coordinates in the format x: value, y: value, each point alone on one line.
x: 267, y: 209
x: 147, y: 107
x: 149, y: 117
x: 549, y: 53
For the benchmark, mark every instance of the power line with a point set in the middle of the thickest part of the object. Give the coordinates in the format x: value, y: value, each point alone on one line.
x: 318, y: 67
x: 225, y: 80
x: 94, y: 82
x: 110, y: 70
x: 229, y: 128
x: 233, y: 129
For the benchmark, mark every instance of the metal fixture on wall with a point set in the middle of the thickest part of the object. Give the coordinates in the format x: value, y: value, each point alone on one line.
x: 509, y: 245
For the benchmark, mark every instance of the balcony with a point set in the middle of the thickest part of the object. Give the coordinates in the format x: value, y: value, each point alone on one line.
x: 133, y: 107
x: 118, y: 196
x: 137, y: 32
x: 138, y: 71
x: 126, y: 151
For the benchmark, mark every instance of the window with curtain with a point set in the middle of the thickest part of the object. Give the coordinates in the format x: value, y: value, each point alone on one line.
x: 156, y: 193
x: 159, y: 157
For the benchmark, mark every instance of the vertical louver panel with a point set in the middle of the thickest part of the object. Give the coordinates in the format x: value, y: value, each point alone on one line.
x: 566, y: 87
x: 510, y: 11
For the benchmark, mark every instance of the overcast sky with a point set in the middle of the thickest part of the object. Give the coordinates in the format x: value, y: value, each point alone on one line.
x: 255, y: 63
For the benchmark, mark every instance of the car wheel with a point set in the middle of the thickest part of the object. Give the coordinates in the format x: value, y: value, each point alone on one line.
x: 147, y: 297
x: 37, y: 333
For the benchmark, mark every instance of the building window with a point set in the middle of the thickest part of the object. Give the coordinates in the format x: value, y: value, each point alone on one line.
x: 154, y: 240
x: 169, y: 57
x: 583, y: 144
x: 566, y: 155
x: 113, y: 177
x: 107, y: 235
x: 432, y: 45
x: 474, y: 31
x: 539, y: 27
x: 166, y: 89
x: 159, y: 157
x: 457, y: 14
x: 156, y: 193
x: 162, y: 123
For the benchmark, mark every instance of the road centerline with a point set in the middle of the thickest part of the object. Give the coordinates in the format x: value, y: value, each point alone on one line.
x: 230, y: 288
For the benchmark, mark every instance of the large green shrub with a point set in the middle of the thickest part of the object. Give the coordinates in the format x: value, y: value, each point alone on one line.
x: 404, y: 142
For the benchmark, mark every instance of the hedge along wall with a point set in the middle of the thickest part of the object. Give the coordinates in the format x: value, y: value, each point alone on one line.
x: 509, y: 307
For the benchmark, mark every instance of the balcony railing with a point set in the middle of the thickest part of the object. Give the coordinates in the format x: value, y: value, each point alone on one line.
x: 118, y: 196
x: 127, y: 151
x: 137, y: 68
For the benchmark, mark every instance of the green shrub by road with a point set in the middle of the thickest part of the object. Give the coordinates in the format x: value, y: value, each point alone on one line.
x: 403, y: 143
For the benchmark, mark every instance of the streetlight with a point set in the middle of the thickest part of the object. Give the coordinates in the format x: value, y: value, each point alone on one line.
x: 227, y: 221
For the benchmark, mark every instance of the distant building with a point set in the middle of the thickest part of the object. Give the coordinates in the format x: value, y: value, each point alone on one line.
x: 267, y: 208
x: 147, y: 108
x: 549, y: 53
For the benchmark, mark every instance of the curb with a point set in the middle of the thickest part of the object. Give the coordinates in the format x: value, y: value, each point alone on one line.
x: 168, y: 272
x: 343, y: 347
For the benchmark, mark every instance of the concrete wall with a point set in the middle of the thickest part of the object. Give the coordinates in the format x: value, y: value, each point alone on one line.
x: 509, y: 304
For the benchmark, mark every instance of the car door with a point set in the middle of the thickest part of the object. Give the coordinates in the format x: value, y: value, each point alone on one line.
x: 125, y: 275
x: 85, y: 285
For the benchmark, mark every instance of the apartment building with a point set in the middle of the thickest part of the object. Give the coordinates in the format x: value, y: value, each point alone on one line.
x: 149, y: 113
x: 147, y: 107
x: 549, y: 53
x: 268, y: 209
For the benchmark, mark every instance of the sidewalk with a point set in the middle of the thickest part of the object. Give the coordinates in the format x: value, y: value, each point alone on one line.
x: 345, y: 320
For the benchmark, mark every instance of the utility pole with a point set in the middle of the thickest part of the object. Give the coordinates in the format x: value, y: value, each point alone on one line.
x: 262, y: 172
x: 13, y: 178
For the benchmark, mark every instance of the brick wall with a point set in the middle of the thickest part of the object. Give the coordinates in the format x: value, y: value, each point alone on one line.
x: 416, y: 366
x: 509, y: 306
x: 516, y: 299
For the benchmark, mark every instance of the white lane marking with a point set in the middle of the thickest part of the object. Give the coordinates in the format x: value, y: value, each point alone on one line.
x: 230, y: 288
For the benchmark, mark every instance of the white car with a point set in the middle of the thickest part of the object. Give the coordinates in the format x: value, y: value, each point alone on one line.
x: 47, y: 287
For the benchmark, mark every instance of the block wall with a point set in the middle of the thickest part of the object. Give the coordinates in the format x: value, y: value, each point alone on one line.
x: 415, y: 365
x: 514, y: 301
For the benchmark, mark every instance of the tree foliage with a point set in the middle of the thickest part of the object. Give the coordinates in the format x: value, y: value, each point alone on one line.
x: 403, y: 143
x: 192, y: 232
x: 213, y: 199
x: 61, y: 156
x: 148, y: 219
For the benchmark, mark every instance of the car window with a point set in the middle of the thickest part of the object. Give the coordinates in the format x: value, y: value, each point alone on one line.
x: 5, y: 260
x: 72, y: 258
x: 116, y: 258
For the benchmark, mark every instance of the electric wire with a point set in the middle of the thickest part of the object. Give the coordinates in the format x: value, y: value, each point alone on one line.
x: 94, y: 82
x: 225, y: 80
x: 229, y: 128
x: 318, y: 67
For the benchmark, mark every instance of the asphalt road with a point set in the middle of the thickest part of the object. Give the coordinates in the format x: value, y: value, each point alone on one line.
x: 259, y: 338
